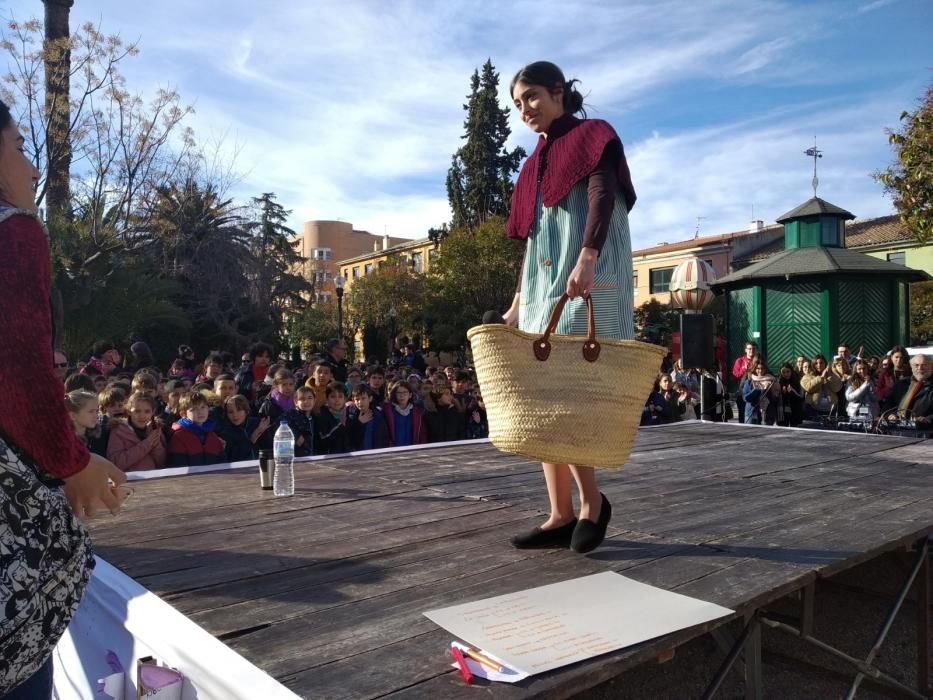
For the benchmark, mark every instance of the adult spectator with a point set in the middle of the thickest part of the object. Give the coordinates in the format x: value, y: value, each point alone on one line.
x: 843, y: 353
x: 60, y: 364
x: 792, y: 395
x: 337, y: 349
x: 916, y: 394
x: 822, y: 388
x: 140, y: 357
x: 900, y: 360
x: 739, y: 371
x: 861, y: 402
x: 762, y: 394
x: 105, y: 358
x: 250, y: 377
x: 46, y: 559
x: 884, y: 381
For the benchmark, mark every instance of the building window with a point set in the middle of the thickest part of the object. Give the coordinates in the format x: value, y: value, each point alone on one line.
x: 898, y: 258
x: 321, y: 254
x: 346, y: 273
x: 356, y: 272
x: 368, y: 269
x: 322, y: 297
x: 417, y: 262
x: 323, y: 276
x: 660, y: 279
x: 432, y: 255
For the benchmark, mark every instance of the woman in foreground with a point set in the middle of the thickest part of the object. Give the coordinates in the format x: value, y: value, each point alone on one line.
x: 570, y: 205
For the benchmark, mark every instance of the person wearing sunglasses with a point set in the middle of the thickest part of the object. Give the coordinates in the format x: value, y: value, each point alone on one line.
x: 60, y: 364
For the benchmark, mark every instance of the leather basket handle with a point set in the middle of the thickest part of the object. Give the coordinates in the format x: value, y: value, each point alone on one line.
x: 591, y: 348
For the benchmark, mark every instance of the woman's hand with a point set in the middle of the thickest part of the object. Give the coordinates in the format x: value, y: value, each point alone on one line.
x: 91, y: 490
x: 580, y: 282
x: 511, y: 316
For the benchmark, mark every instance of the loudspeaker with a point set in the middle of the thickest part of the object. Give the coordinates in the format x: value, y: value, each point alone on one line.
x: 696, y: 340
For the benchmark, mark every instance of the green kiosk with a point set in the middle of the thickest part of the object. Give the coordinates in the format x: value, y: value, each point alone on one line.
x: 816, y: 293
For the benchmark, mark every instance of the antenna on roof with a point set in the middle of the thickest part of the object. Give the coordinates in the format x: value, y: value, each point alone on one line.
x: 696, y: 234
x: 814, y: 153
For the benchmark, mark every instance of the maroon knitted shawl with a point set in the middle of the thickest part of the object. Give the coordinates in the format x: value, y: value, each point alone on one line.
x: 571, y: 152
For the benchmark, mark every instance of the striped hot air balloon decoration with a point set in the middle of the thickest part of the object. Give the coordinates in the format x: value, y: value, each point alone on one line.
x: 690, y: 283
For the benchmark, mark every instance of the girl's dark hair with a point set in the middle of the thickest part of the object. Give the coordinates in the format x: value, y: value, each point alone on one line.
x: 5, y: 117
x: 550, y: 77
x: 5, y: 120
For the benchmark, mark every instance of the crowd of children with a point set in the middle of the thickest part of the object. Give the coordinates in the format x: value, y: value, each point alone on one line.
x: 213, y: 413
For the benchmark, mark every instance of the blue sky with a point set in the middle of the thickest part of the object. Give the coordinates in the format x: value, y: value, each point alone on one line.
x: 351, y: 110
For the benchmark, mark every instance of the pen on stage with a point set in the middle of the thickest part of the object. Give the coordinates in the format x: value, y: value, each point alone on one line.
x: 461, y: 662
x: 484, y: 660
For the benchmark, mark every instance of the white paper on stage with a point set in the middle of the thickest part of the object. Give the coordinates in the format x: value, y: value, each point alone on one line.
x: 119, y: 621
x: 543, y: 628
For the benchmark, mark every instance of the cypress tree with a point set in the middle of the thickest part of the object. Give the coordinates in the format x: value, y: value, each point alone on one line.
x: 479, y: 182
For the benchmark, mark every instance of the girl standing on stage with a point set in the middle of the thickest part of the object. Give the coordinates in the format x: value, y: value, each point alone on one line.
x: 570, y: 205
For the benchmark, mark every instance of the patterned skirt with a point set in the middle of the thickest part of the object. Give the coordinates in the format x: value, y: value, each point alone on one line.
x: 550, y: 256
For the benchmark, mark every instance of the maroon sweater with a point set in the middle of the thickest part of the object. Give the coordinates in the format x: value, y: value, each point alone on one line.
x: 33, y: 416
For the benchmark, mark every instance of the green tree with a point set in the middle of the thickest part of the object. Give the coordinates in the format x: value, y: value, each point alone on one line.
x: 655, y: 320
x: 313, y: 327
x: 385, y: 304
x: 909, y: 180
x: 921, y: 313
x: 279, y: 284
x: 198, y: 240
x: 479, y: 182
x: 474, y: 272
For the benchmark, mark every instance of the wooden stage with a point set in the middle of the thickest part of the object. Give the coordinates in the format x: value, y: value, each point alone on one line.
x: 325, y: 590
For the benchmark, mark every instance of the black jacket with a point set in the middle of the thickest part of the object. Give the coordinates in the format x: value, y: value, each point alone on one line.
x: 923, y: 402
x: 331, y: 437
x: 238, y: 447
x: 445, y: 424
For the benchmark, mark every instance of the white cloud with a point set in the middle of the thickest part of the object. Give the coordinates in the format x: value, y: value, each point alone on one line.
x: 352, y: 110
x: 875, y: 5
x: 727, y: 174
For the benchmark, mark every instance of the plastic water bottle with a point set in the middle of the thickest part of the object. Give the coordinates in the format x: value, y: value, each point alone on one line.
x: 283, y: 450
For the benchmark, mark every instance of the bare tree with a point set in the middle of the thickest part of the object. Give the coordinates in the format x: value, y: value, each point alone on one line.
x: 116, y: 147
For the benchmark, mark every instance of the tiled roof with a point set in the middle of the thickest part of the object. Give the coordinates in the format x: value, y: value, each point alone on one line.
x: 397, y: 248
x: 698, y: 242
x: 813, y: 207
x: 799, y: 262
x: 859, y: 234
x: 884, y: 229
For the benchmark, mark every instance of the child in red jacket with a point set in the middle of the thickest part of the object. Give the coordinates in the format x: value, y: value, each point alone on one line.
x: 194, y: 441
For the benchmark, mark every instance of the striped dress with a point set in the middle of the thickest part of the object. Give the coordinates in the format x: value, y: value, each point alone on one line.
x: 550, y: 256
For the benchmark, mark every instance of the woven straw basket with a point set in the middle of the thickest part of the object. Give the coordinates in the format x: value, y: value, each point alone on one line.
x: 563, y: 399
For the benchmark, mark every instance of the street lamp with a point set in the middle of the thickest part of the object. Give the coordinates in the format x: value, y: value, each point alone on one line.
x: 338, y: 285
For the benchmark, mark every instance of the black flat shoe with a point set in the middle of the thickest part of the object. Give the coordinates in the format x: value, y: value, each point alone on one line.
x: 588, y: 535
x: 557, y: 537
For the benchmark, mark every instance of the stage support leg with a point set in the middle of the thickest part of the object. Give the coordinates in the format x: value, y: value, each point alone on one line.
x: 923, y: 623
x: 754, y: 689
